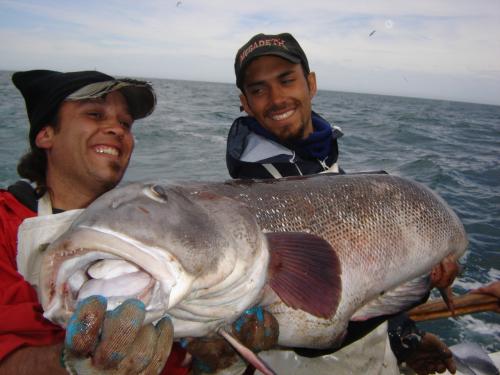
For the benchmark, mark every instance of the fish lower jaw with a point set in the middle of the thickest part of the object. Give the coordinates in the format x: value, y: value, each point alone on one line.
x: 149, y: 274
x: 75, y: 284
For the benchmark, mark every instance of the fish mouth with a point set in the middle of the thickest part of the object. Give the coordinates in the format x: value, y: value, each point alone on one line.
x: 112, y: 265
x: 107, y: 276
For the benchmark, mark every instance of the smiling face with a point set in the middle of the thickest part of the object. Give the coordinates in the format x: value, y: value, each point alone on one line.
x: 278, y: 95
x: 89, y: 150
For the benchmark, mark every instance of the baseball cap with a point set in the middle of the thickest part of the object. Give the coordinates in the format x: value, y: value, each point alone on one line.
x: 283, y: 45
x: 45, y: 90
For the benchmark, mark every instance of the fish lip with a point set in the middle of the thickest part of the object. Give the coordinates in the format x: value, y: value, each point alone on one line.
x: 160, y: 265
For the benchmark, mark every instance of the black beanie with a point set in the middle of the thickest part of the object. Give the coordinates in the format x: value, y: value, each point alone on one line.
x: 44, y: 91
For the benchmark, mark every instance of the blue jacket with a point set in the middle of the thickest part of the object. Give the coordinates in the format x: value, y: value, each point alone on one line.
x: 250, y: 155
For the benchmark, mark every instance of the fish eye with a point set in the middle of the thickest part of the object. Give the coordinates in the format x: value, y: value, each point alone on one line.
x: 159, y: 192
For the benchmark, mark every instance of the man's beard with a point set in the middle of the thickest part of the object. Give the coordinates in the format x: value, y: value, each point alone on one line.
x: 108, y: 184
x: 287, y: 137
x: 291, y: 138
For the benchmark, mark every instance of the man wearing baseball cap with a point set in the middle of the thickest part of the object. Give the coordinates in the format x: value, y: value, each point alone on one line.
x: 282, y: 136
x: 81, y: 141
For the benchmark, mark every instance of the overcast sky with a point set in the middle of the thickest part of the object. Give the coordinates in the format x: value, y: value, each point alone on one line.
x: 448, y: 49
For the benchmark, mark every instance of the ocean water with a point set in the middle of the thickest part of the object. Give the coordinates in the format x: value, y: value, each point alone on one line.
x: 452, y: 147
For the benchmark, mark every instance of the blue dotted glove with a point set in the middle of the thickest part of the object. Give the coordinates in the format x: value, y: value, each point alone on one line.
x: 256, y: 328
x: 115, y: 342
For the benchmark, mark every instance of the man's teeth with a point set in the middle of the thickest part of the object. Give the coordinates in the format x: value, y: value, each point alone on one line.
x: 107, y: 150
x: 282, y: 116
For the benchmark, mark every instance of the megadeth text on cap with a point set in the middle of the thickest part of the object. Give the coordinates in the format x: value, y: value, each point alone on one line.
x: 262, y: 43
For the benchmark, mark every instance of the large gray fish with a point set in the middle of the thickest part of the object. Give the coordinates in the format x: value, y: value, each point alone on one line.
x: 317, y: 252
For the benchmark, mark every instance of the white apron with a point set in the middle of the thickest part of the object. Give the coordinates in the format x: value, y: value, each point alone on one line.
x: 370, y: 355
x: 35, y: 233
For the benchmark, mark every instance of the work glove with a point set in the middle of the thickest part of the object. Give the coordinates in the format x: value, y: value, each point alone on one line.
x: 429, y: 356
x: 115, y: 342
x: 256, y: 329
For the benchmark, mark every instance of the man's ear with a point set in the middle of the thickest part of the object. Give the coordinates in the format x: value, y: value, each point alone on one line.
x: 44, y: 138
x: 311, y: 82
x: 244, y: 104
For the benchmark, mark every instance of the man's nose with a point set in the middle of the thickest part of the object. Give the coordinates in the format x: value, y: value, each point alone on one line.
x: 114, y: 125
x: 277, y: 95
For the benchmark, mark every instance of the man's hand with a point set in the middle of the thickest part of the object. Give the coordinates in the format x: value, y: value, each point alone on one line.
x: 42, y: 360
x: 492, y: 289
x: 256, y: 329
x: 115, y: 342
x: 430, y: 355
x: 443, y: 274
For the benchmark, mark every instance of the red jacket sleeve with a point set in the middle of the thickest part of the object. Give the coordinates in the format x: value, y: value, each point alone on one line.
x: 21, y: 319
x: 173, y: 366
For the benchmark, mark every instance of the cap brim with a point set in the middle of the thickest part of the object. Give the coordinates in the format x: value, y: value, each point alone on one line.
x: 140, y: 95
x: 249, y: 59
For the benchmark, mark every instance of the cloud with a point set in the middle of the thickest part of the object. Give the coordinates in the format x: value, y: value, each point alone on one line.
x: 198, y: 39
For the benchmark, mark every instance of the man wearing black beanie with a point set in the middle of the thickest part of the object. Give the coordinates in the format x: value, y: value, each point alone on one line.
x: 80, y: 145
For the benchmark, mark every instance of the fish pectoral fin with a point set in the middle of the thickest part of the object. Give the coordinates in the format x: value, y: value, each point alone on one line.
x: 401, y: 298
x: 304, y: 272
x: 246, y: 353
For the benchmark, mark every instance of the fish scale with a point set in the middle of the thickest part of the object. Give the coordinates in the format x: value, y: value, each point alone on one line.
x: 370, y: 220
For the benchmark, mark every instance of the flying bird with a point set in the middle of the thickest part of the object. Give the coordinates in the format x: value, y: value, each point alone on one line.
x: 373, y: 32
x: 178, y: 3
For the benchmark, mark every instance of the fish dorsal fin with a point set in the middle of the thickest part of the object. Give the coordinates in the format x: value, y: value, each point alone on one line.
x: 304, y: 272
